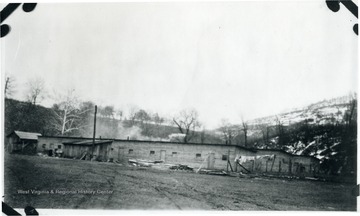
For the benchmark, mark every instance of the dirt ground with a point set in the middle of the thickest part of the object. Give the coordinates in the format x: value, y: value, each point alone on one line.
x: 73, y: 184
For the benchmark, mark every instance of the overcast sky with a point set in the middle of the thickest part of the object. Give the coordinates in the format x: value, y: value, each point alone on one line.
x: 226, y: 60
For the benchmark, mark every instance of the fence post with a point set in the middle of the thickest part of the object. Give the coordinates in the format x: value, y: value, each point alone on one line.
x: 227, y: 164
x: 279, y: 165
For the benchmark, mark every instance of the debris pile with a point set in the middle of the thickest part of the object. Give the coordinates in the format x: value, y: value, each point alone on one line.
x: 213, y: 172
x: 158, y: 164
x: 181, y: 167
x: 42, y: 155
x: 142, y: 163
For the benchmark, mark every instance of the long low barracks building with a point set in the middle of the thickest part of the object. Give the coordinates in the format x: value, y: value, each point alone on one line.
x: 208, y: 156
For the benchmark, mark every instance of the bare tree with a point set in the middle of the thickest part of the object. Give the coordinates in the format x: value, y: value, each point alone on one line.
x: 187, y: 122
x: 35, y: 90
x: 347, y: 150
x: 158, y: 121
x: 265, y: 132
x: 107, y: 111
x: 9, y: 86
x: 203, y: 135
x: 228, y: 131
x: 143, y: 117
x: 119, y: 113
x: 245, y: 130
x: 350, y: 114
x: 69, y: 113
x: 280, y: 132
x: 132, y: 115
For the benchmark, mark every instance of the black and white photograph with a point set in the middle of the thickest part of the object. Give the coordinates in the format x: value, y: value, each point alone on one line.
x: 218, y: 106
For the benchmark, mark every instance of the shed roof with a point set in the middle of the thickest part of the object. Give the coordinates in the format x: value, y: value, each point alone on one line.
x: 88, y: 142
x: 26, y: 135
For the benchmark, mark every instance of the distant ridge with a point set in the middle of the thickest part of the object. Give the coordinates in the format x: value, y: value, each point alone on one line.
x: 326, y: 111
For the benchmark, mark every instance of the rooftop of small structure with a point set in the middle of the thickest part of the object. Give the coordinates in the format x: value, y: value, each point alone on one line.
x: 25, y: 135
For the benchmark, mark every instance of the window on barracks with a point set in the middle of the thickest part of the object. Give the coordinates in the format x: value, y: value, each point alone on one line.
x: 44, y: 145
x: 59, y: 146
x: 198, y: 155
x: 152, y: 152
x: 174, y: 153
x: 224, y: 157
x: 131, y: 151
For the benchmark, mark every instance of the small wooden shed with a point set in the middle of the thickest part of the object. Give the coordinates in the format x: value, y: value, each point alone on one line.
x: 20, y: 141
x: 79, y: 149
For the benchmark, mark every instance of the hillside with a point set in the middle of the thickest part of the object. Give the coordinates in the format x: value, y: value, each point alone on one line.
x: 329, y: 111
x: 326, y: 130
x: 25, y: 116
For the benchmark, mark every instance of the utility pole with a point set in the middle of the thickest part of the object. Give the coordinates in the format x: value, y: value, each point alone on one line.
x: 94, y: 133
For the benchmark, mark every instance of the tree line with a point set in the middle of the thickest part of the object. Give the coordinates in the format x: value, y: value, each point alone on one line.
x: 70, y: 116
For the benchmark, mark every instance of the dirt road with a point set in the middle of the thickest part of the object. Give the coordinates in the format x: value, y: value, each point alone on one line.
x: 73, y: 184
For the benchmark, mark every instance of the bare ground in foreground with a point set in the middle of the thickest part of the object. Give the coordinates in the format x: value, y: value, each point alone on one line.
x: 150, y: 188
